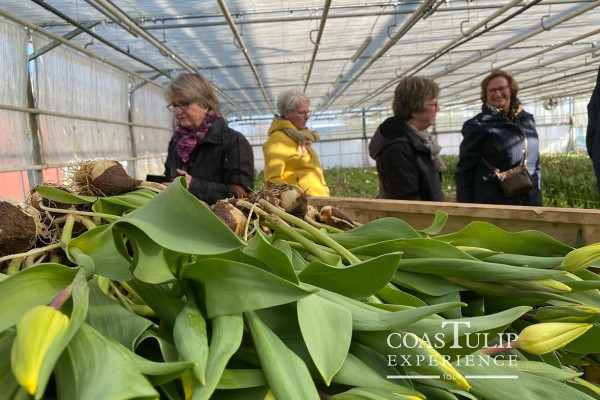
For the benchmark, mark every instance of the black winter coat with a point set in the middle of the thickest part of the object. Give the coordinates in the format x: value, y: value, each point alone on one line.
x: 501, y: 142
x: 404, y: 164
x: 593, y: 130
x: 222, y: 159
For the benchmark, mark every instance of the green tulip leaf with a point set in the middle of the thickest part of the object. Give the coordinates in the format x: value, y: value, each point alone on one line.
x: 286, y: 373
x: 431, y: 285
x: 99, y: 245
x: 191, y: 339
x: 486, y: 235
x: 438, y: 223
x: 392, y: 295
x: 112, y: 320
x: 119, y: 205
x: 261, y: 248
x: 178, y: 221
x: 31, y: 287
x: 160, y: 300
x: 375, y: 231
x: 60, y: 196
x: 357, y: 281
x: 242, y: 379
x: 8, y: 383
x: 413, y: 248
x: 230, y: 287
x: 327, y: 331
x: 227, y: 333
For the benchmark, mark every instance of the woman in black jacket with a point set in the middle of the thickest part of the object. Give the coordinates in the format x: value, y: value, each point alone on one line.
x: 408, y: 158
x: 497, y: 134
x: 217, y: 161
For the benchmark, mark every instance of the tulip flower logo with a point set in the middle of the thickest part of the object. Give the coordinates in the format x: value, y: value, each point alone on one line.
x: 36, y: 331
x: 546, y: 337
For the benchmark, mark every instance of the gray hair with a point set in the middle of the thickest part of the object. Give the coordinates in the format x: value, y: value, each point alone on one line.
x: 411, y: 94
x: 194, y: 88
x: 290, y: 99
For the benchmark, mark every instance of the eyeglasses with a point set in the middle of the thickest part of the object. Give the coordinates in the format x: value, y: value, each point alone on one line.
x: 498, y: 89
x: 303, y: 113
x: 434, y: 105
x: 184, y: 105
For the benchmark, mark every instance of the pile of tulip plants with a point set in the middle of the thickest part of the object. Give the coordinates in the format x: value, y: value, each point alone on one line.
x: 152, y: 294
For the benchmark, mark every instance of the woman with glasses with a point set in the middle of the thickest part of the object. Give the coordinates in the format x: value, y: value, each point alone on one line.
x: 216, y: 161
x: 289, y: 155
x: 499, y: 138
x: 408, y: 159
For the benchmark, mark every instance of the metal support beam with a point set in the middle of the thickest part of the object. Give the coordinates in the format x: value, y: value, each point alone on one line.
x: 121, y: 16
x: 318, y: 41
x: 244, y: 50
x: 68, y: 36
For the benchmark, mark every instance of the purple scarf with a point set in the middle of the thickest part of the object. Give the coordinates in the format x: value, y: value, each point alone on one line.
x: 186, y: 140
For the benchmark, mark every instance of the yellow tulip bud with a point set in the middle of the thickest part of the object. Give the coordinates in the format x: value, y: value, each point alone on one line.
x: 581, y: 258
x: 457, y: 378
x: 546, y: 337
x: 36, y: 330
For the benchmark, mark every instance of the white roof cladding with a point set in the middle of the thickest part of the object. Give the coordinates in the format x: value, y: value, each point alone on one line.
x: 552, y: 47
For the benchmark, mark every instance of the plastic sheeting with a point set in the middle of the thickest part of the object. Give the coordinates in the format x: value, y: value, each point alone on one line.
x: 15, y: 137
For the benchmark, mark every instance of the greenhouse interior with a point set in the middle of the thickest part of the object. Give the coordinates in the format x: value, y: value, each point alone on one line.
x: 153, y: 292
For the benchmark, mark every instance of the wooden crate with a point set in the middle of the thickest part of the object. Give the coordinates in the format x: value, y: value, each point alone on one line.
x: 563, y: 224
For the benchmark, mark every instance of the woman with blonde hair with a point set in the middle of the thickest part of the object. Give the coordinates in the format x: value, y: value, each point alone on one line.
x: 502, y: 136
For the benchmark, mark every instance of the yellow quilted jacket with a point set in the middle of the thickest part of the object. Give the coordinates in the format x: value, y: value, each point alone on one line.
x: 285, y: 161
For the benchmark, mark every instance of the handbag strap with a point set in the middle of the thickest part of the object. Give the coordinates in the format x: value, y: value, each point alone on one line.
x: 523, y: 161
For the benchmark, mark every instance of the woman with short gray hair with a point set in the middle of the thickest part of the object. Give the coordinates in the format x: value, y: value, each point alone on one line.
x: 289, y: 155
x: 408, y: 159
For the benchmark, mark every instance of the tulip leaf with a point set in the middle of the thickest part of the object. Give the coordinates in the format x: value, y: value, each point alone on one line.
x: 60, y: 196
x: 227, y: 333
x: 586, y: 343
x: 474, y: 269
x: 8, y: 383
x: 164, y: 304
x: 119, y: 205
x: 543, y: 369
x: 99, y: 245
x: 241, y: 379
x: 191, y: 339
x: 286, y: 373
x: 413, y: 248
x: 31, y: 287
x: 150, y: 260
x: 95, y: 367
x: 178, y: 221
x: 427, y: 284
x: 438, y: 223
x: 374, y: 232
x: 521, y: 260
x: 231, y: 287
x: 524, y: 386
x: 392, y: 295
x: 368, y: 318
x: 369, y: 393
x: 327, y: 331
x: 486, y: 235
x: 112, y: 320
x: 80, y: 297
x: 259, y: 247
x: 355, y: 372
x: 357, y: 281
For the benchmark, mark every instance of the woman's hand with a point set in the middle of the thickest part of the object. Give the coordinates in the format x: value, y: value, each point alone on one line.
x: 188, y: 177
x: 240, y: 193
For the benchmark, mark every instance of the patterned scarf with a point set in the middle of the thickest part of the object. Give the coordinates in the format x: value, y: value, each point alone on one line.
x: 186, y: 140
x: 304, y: 137
x: 434, y: 148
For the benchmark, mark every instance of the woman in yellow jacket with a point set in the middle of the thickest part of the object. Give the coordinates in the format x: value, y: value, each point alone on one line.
x: 289, y: 156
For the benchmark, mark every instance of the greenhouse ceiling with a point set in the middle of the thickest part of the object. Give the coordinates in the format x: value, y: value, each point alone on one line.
x: 346, y: 55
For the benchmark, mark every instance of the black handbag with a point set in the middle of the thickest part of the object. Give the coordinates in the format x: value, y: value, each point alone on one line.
x: 515, y: 181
